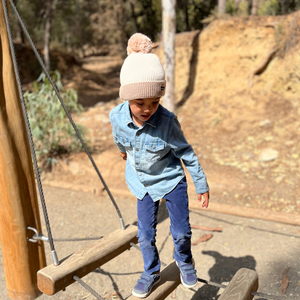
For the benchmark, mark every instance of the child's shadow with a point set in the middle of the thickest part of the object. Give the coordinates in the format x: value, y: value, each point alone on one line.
x: 222, y: 272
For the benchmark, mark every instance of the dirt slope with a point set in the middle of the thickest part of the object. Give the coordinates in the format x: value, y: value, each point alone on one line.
x: 237, y: 84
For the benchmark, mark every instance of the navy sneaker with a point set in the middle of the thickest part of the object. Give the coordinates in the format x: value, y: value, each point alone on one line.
x: 187, y: 273
x: 145, y: 284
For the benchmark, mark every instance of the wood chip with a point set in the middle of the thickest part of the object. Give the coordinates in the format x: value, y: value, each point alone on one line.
x: 206, y: 228
x: 203, y: 238
x: 285, y: 281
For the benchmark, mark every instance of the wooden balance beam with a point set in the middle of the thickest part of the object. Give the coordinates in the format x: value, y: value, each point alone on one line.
x: 241, y: 286
x: 169, y: 280
x: 53, y: 279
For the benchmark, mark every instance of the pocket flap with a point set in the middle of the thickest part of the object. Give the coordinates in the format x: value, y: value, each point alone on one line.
x: 155, y: 146
x: 123, y: 141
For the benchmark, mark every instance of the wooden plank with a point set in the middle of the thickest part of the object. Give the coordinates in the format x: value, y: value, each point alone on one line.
x: 248, y: 212
x: 241, y: 286
x: 53, y: 279
x: 18, y: 201
x: 170, y: 279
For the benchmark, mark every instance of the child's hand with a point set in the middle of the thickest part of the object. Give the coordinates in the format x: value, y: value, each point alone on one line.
x: 123, y: 155
x: 206, y: 199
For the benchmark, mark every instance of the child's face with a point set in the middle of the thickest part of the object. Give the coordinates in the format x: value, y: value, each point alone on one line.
x: 143, y: 109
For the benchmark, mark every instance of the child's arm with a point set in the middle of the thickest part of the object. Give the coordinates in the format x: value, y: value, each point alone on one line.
x: 183, y: 150
x: 205, y: 197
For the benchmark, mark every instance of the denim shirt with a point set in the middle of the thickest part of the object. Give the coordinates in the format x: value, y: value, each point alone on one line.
x: 155, y: 152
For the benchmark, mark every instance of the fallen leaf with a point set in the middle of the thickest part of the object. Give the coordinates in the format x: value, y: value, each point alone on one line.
x: 285, y: 281
x: 173, y: 294
x: 206, y: 228
x: 203, y: 238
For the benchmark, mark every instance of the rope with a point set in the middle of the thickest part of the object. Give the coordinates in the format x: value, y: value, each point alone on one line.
x: 66, y: 111
x: 94, y: 293
x: 33, y: 155
x: 267, y: 296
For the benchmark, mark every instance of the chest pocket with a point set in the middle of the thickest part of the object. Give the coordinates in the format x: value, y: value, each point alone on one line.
x: 155, y: 150
x: 123, y: 142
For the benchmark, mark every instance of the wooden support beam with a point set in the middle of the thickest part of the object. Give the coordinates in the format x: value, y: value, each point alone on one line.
x: 170, y: 279
x: 247, y: 212
x: 53, y: 279
x: 241, y: 286
x: 18, y: 199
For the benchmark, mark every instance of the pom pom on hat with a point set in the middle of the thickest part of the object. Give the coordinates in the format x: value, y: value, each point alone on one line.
x: 139, y: 43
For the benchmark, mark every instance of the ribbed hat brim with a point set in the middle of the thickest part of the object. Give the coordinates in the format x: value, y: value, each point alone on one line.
x: 142, y: 90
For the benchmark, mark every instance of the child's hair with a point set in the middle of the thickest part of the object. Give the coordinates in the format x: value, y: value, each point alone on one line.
x: 142, y: 74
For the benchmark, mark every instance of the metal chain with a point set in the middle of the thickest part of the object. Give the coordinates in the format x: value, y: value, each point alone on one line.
x: 67, y: 112
x: 79, y: 239
x: 87, y: 287
x: 33, y: 155
x: 267, y: 296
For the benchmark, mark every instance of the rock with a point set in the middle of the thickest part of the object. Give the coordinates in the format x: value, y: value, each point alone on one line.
x: 265, y: 124
x: 268, y: 154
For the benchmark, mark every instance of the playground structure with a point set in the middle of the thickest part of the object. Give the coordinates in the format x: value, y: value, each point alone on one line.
x: 17, y: 175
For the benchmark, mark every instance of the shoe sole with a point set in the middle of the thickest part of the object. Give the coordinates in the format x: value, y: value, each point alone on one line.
x: 183, y: 283
x: 146, y: 294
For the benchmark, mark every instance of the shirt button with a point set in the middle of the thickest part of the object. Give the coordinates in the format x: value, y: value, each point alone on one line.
x: 140, y: 174
x: 137, y: 150
x: 137, y: 134
x: 153, y: 147
x: 137, y: 164
x: 145, y: 185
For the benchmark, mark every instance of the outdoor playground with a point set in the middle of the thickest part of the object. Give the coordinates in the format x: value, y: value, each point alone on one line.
x: 237, y: 100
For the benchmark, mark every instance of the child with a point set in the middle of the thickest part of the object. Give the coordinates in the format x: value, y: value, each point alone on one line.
x: 150, y: 138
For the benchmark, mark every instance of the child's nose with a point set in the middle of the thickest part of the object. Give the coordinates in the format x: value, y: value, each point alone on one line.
x: 148, y: 108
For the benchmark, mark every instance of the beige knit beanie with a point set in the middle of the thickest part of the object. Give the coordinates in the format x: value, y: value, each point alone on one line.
x: 142, y: 74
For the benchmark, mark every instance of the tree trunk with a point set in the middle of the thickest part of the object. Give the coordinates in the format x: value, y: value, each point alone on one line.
x: 18, y: 202
x: 237, y: 5
x: 121, y: 24
x: 254, y: 7
x: 48, y: 34
x: 169, y: 30
x: 221, y: 7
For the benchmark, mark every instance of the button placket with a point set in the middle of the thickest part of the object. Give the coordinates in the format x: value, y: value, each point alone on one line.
x: 137, y: 152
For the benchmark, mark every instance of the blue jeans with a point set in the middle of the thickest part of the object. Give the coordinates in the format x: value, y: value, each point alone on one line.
x: 177, y: 204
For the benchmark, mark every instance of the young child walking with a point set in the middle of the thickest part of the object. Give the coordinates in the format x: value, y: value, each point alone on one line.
x: 150, y: 138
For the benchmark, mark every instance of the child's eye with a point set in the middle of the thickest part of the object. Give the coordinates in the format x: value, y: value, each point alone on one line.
x: 140, y: 104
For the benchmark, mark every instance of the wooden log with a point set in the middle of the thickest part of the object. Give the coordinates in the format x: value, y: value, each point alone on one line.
x: 53, y: 279
x: 170, y: 279
x: 18, y: 202
x: 241, y: 286
x: 248, y: 212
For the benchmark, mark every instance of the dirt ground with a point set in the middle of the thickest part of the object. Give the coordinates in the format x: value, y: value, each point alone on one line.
x: 269, y: 248
x: 245, y: 131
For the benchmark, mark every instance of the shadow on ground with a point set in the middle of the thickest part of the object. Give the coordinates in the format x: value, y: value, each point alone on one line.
x: 222, y: 271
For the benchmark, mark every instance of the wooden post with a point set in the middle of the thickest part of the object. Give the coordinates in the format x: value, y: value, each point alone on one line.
x: 18, y: 201
x: 241, y: 286
x: 169, y: 30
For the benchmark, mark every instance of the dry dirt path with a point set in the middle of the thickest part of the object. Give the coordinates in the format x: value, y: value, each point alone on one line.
x: 267, y: 247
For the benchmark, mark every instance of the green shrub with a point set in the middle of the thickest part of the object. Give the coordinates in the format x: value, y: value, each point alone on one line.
x: 52, y: 133
x: 268, y: 7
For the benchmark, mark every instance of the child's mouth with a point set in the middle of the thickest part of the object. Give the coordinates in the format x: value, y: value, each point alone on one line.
x: 145, y: 116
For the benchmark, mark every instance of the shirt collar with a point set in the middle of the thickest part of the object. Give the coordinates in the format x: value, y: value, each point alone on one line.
x: 152, y: 121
